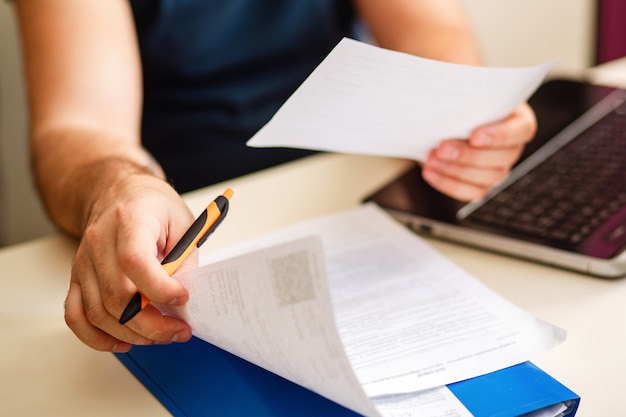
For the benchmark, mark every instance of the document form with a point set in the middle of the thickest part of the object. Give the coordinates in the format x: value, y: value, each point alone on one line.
x: 368, y: 100
x: 358, y: 309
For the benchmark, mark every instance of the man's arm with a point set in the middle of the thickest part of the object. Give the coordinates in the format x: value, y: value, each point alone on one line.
x: 84, y: 80
x: 463, y: 168
x: 84, y: 86
x: 434, y: 29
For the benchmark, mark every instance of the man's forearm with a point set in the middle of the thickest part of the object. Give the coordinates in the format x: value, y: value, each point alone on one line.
x: 75, y: 168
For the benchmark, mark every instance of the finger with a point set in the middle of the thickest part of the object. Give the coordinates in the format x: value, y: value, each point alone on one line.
x: 89, y: 320
x: 482, y: 177
x: 159, y: 328
x: 103, y: 307
x: 517, y: 129
x: 138, y: 254
x: 461, y: 153
x: 453, y: 187
x: 94, y: 313
x: 77, y: 321
x: 110, y: 286
x: 152, y: 327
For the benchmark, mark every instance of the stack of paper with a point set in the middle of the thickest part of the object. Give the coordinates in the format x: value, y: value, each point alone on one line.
x: 361, y: 311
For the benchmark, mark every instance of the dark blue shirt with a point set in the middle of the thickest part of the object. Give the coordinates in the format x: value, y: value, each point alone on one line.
x: 215, y: 71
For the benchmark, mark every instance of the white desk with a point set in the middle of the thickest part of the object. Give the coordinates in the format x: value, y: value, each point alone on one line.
x: 46, y: 371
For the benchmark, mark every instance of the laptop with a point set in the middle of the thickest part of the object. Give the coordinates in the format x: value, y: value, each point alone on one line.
x: 564, y: 202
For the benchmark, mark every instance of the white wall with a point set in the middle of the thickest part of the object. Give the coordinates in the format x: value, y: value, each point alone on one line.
x: 527, y: 32
x: 513, y: 33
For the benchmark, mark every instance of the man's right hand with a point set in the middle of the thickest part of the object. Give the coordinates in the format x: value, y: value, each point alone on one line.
x: 130, y: 230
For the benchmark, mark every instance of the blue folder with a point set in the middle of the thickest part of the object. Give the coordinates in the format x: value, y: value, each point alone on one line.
x: 198, y: 379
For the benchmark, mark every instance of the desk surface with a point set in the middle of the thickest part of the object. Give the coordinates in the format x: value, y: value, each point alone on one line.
x: 45, y: 370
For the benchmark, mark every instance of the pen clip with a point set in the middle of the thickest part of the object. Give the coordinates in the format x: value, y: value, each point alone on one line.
x: 222, y: 205
x: 198, y: 232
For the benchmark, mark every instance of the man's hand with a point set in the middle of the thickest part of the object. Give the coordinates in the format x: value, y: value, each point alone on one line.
x: 467, y: 169
x: 130, y: 230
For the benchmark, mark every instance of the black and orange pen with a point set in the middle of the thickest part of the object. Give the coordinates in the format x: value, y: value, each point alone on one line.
x: 196, y: 235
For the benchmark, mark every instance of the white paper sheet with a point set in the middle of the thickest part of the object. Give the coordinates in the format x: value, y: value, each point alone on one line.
x: 409, y: 318
x: 434, y: 402
x: 273, y: 308
x: 368, y: 100
x: 392, y: 309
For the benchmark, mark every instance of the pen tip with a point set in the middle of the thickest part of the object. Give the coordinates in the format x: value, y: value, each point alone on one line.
x: 134, y: 306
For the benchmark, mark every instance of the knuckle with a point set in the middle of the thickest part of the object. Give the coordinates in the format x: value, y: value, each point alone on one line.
x: 95, y: 313
x: 73, y: 313
x: 158, y: 337
x: 141, y: 339
x: 71, y: 320
x: 91, y: 234
x: 102, y: 343
x: 107, y: 292
x: 509, y: 161
x: 528, y: 128
x: 75, y: 322
x: 111, y: 300
x: 160, y: 333
x: 532, y: 127
x: 129, y: 259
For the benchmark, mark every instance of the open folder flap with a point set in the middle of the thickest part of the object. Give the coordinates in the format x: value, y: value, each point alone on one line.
x: 514, y: 391
x: 198, y: 379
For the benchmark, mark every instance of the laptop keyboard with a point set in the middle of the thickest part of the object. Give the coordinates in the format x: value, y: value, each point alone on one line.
x: 569, y: 195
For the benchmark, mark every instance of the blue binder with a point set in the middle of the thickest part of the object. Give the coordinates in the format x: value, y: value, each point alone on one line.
x: 198, y: 379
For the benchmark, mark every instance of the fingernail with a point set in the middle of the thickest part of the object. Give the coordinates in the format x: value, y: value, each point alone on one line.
x: 176, y: 301
x: 448, y: 152
x: 121, y: 347
x: 183, y: 336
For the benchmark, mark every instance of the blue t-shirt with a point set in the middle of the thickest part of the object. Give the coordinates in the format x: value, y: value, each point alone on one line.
x: 215, y: 71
